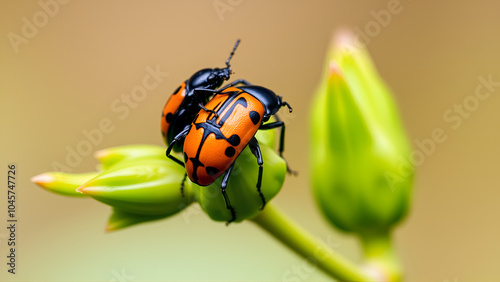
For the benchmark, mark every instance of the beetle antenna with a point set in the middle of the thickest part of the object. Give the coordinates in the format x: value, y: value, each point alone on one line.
x: 232, y: 53
x: 283, y: 103
x: 288, y: 105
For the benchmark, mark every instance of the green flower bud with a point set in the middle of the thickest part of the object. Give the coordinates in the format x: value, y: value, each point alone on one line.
x: 360, y: 180
x: 63, y: 183
x: 111, y: 156
x: 241, y: 189
x: 143, y: 186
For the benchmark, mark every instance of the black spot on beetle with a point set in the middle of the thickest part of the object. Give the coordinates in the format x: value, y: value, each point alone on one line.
x: 255, y: 117
x: 185, y: 157
x: 234, y: 140
x: 169, y: 117
x: 212, y: 170
x: 230, y: 151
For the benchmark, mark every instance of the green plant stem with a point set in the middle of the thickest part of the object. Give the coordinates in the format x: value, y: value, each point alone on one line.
x: 303, y: 243
x: 380, y: 254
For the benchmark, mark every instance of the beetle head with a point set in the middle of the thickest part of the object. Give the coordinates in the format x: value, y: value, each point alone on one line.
x: 218, y: 76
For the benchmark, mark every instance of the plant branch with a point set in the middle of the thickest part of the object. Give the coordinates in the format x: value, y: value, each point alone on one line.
x: 303, y: 243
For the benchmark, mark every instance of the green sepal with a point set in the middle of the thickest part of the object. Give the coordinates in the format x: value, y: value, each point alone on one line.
x: 145, y: 186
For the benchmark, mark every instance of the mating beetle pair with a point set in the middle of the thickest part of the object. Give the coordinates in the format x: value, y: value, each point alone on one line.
x: 213, y: 126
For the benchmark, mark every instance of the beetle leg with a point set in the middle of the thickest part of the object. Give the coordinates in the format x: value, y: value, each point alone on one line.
x: 238, y: 81
x: 281, y: 124
x: 254, y: 147
x: 223, y: 186
x: 182, y: 183
x: 177, y: 138
x: 200, y: 101
x: 273, y: 125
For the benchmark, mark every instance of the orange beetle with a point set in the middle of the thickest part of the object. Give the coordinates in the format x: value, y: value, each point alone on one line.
x: 216, y: 137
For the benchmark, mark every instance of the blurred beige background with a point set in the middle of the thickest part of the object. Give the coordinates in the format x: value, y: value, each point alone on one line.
x: 83, y: 57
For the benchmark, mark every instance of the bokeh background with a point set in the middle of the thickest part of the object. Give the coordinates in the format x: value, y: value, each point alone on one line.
x: 83, y: 57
